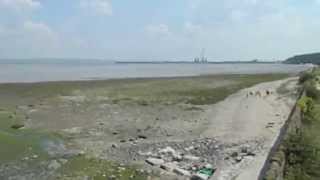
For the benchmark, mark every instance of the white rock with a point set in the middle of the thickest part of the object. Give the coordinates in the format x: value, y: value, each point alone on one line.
x: 177, y: 157
x: 239, y: 158
x: 114, y: 145
x: 189, y: 148
x: 63, y: 161
x: 199, y: 176
x: 155, y: 161
x: 167, y: 150
x: 81, y: 153
x: 208, y: 166
x: 145, y: 153
x: 170, y: 166
x: 191, y: 158
x: 54, y: 165
x: 181, y: 172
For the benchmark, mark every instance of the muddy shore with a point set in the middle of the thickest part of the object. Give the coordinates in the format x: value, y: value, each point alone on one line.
x: 111, y: 127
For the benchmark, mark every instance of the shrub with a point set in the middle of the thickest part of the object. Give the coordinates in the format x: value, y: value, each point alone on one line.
x: 306, y: 104
x: 305, y: 77
x: 312, y: 91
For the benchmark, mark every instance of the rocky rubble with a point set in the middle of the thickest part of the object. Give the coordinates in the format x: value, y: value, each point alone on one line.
x: 180, y: 163
x: 185, y: 158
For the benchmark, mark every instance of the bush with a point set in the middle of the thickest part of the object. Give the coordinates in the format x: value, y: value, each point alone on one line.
x: 311, y: 91
x: 305, y: 77
x: 306, y: 104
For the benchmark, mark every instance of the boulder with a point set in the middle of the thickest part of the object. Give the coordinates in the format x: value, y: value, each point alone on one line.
x: 189, y: 148
x: 170, y: 166
x: 145, y: 153
x: 168, y: 150
x: 191, y: 158
x: 234, y: 154
x: 114, y: 145
x: 53, y: 165
x: 17, y: 126
x: 239, y: 159
x: 155, y: 161
x: 141, y: 136
x: 199, y: 176
x: 177, y: 157
x: 181, y: 172
x: 208, y: 166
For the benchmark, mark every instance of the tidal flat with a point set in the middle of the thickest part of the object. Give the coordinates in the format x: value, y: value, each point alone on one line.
x: 67, y: 130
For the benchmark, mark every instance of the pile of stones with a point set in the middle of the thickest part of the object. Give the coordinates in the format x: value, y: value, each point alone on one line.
x: 173, y: 161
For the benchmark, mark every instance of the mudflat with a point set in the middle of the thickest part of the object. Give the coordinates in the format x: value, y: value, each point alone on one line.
x: 99, y: 129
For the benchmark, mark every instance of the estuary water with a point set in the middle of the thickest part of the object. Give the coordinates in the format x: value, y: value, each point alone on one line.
x: 72, y: 71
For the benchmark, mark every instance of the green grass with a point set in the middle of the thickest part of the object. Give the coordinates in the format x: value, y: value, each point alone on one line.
x: 303, y: 148
x: 194, y: 90
x: 200, y: 90
x: 17, y: 144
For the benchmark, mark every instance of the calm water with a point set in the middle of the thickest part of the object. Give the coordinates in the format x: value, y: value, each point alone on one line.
x: 36, y: 72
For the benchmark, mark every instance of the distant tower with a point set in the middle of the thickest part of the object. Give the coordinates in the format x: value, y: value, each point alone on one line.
x: 202, y: 57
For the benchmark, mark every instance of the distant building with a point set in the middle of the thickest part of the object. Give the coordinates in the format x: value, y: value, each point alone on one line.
x: 202, y: 58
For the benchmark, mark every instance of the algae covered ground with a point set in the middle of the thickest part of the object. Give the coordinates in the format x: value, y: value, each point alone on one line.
x: 59, y: 130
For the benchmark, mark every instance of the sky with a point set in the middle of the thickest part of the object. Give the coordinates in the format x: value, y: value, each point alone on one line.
x: 159, y: 29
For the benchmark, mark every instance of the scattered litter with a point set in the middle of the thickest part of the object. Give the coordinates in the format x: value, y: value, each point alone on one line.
x: 204, y: 173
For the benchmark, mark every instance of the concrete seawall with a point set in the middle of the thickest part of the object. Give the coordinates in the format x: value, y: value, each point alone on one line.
x: 274, y: 166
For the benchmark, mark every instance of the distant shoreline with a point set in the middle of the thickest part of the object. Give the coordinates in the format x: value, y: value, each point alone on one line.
x: 189, y: 62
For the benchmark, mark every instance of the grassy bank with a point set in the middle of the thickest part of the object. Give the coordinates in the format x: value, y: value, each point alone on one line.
x: 303, y: 147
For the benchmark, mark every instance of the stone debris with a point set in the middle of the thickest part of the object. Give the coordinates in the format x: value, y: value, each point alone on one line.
x: 53, y: 165
x: 142, y: 136
x: 239, y: 154
x: 114, y: 145
x: 145, y: 153
x: 155, y: 161
x: 189, y: 148
x: 167, y: 150
x: 191, y: 158
x: 199, y: 177
x: 170, y: 160
x: 177, y: 157
x: 63, y: 161
x: 170, y: 166
x: 270, y: 125
x: 181, y: 172
x: 17, y: 126
x: 239, y: 158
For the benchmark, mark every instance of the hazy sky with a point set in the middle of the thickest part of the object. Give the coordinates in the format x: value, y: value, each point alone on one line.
x: 159, y: 29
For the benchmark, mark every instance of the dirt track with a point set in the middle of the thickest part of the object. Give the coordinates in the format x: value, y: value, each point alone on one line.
x: 241, y: 117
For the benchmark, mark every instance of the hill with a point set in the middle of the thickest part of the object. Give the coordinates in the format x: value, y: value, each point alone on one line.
x: 313, y: 58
